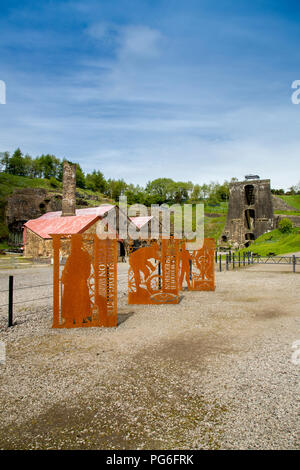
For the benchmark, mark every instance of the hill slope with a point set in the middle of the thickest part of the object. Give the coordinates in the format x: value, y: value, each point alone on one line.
x: 276, y: 242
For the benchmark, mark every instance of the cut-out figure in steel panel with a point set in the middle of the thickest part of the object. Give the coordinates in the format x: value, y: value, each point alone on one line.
x: 185, y: 266
x: 203, y: 267
x: 85, y: 294
x: 153, y: 274
x: 75, y: 302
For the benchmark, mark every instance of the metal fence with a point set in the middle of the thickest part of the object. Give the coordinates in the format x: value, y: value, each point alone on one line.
x: 239, y: 260
x: 11, y: 302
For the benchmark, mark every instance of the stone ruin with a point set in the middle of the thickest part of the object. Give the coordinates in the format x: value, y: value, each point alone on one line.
x: 250, y: 213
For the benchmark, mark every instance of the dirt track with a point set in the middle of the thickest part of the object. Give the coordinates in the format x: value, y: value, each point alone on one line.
x: 213, y: 372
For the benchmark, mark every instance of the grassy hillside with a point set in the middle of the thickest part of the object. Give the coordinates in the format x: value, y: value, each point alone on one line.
x: 293, y: 201
x: 214, y: 226
x: 276, y: 242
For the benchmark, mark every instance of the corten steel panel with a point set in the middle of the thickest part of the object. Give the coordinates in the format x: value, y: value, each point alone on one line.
x: 153, y: 273
x: 197, y: 267
x: 85, y: 289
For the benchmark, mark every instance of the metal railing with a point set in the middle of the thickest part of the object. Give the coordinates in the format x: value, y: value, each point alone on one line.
x: 238, y: 260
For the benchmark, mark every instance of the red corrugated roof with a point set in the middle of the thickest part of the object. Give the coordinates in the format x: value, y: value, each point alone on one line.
x: 100, y: 211
x: 44, y: 226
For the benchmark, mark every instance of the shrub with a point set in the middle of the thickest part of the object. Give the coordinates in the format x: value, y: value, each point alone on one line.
x: 53, y: 182
x: 285, y: 225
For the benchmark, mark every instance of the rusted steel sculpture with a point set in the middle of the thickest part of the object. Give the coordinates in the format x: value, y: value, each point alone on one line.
x: 85, y: 290
x: 153, y: 273
x: 197, y: 267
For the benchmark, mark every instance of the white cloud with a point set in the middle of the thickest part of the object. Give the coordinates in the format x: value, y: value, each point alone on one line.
x: 139, y: 41
x: 131, y: 41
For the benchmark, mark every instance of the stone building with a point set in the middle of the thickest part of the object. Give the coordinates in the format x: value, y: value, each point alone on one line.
x: 37, y: 232
x: 250, y: 213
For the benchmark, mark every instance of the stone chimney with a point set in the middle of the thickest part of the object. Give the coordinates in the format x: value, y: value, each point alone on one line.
x: 69, y: 190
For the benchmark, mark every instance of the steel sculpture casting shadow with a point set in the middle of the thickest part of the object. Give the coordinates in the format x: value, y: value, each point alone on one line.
x: 85, y: 290
x: 197, y: 267
x: 153, y: 273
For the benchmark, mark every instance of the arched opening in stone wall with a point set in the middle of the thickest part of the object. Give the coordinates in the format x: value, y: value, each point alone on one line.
x: 250, y: 219
x: 249, y: 194
x: 249, y: 236
x: 43, y: 208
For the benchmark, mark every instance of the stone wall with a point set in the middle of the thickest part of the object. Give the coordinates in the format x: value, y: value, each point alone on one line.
x: 37, y: 247
x: 29, y: 203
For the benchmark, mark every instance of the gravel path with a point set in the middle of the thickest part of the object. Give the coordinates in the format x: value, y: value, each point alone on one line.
x: 213, y: 372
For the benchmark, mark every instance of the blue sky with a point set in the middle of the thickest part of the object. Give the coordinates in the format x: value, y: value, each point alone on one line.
x: 193, y: 90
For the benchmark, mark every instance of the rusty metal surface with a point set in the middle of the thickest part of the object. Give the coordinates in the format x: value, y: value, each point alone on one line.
x: 153, y: 273
x: 85, y: 290
x: 197, y: 267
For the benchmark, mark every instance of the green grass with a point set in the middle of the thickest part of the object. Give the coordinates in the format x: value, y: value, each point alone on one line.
x: 276, y: 242
x: 287, y: 212
x: 293, y: 201
x: 221, y: 209
x: 214, y: 226
x: 10, y: 182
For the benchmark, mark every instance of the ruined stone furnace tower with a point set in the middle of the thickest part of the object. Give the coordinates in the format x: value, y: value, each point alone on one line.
x: 250, y: 212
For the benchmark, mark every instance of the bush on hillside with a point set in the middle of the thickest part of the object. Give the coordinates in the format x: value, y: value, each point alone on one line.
x: 285, y: 226
x: 53, y: 182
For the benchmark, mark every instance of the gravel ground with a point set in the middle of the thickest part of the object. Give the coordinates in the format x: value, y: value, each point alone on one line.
x: 213, y: 372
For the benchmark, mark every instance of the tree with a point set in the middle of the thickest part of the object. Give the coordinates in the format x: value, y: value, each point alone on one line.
x: 195, y: 195
x: 28, y: 165
x: 96, y: 181
x: 279, y: 192
x: 4, y: 161
x: 115, y: 188
x: 80, y: 178
x: 16, y: 164
x: 222, y: 192
x: 49, y: 165
x: 162, y: 188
